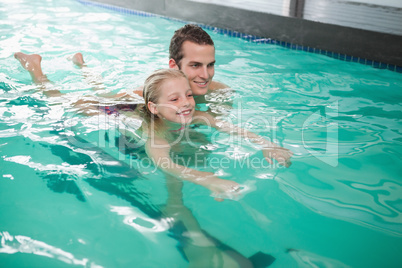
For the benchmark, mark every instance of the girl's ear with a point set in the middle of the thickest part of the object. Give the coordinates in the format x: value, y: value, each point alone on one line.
x: 152, y: 107
x: 173, y: 65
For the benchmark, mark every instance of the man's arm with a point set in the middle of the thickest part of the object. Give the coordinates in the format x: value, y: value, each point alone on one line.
x: 138, y: 91
x: 269, y: 149
x: 217, y: 85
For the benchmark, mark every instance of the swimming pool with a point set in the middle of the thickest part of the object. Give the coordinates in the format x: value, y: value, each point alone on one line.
x: 68, y: 202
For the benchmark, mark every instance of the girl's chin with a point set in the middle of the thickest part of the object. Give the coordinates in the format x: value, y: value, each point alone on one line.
x: 187, y: 120
x: 182, y: 120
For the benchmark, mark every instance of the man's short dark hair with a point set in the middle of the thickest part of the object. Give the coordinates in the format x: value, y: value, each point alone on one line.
x: 189, y: 32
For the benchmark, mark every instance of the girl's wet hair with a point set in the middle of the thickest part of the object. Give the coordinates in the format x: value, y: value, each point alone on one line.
x: 152, y: 86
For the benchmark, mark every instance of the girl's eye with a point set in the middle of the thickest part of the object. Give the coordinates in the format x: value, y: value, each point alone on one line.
x: 173, y: 100
x: 189, y: 95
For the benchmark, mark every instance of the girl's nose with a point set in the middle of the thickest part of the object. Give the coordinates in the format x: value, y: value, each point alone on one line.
x: 185, y: 102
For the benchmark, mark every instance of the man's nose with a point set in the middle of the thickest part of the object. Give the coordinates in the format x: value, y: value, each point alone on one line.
x: 203, y: 72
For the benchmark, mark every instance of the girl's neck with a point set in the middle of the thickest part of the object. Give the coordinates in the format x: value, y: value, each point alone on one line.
x: 174, y: 127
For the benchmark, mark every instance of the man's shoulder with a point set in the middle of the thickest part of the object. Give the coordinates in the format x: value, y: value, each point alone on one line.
x: 217, y: 85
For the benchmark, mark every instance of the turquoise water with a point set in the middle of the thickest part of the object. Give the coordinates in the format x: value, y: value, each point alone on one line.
x: 70, y: 198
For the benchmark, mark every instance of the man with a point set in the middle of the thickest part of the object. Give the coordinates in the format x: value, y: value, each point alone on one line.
x: 192, y: 51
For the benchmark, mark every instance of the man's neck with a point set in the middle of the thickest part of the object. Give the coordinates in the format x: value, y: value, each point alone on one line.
x: 200, y: 99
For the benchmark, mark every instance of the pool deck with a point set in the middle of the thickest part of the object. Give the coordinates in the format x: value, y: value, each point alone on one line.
x: 371, y: 34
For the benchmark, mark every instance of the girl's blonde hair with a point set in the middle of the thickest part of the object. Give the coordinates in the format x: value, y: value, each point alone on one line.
x: 152, y: 86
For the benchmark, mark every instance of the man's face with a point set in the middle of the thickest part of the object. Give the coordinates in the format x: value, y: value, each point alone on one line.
x: 198, y: 64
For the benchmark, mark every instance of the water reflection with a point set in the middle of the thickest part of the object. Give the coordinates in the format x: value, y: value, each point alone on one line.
x: 327, y: 191
x: 12, y: 244
x: 309, y: 259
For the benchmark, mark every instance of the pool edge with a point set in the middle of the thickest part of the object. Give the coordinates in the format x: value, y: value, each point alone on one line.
x: 354, y: 49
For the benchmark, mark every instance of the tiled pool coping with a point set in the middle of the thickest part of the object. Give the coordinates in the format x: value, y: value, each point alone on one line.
x: 254, y: 38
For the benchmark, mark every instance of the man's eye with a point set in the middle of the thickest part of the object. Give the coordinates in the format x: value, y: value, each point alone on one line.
x: 189, y: 95
x: 174, y: 99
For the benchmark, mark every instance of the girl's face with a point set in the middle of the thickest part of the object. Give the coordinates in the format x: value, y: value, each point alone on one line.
x: 176, y: 103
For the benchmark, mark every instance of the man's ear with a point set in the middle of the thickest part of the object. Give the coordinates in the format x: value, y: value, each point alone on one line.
x: 152, y: 107
x: 173, y: 65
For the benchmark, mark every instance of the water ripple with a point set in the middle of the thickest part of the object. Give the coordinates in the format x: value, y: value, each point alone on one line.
x: 23, y: 244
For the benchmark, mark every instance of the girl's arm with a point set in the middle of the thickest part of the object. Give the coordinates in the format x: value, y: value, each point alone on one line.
x: 269, y: 149
x: 158, y: 150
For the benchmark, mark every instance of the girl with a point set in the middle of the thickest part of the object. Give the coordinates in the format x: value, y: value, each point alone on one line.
x: 169, y: 109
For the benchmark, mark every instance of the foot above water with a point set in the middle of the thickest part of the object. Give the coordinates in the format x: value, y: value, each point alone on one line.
x: 78, y: 59
x: 29, y: 62
x: 32, y: 63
